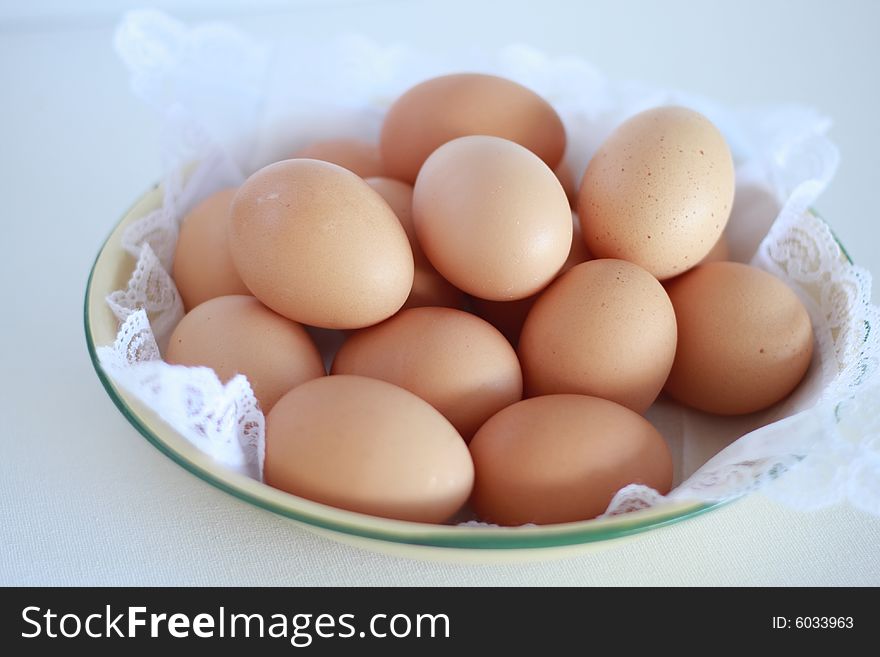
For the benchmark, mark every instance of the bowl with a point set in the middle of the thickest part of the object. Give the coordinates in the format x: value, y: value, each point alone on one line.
x: 111, y: 271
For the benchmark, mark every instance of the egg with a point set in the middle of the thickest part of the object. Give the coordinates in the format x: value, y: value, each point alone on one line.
x: 491, y: 217
x: 237, y: 334
x: 658, y: 192
x: 360, y: 157
x: 203, y: 267
x: 451, y: 106
x: 367, y: 446
x: 509, y: 316
x: 744, y: 339
x: 317, y: 244
x: 607, y: 329
x: 455, y: 361
x: 562, y: 458
x: 429, y: 288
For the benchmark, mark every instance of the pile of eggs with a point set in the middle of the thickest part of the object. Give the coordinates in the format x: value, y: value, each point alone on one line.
x: 499, y: 349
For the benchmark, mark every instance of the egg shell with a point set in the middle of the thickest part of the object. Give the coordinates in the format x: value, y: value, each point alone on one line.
x: 606, y: 328
x: 317, y: 244
x: 238, y: 335
x: 429, y: 287
x: 358, y: 156
x: 745, y: 340
x: 658, y: 192
x: 509, y: 316
x: 203, y: 267
x: 368, y: 446
x: 492, y: 218
x: 455, y: 361
x: 451, y: 106
x: 562, y: 458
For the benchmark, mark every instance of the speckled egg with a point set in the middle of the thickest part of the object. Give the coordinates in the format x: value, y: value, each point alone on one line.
x: 658, y: 192
x: 607, y: 329
x: 745, y: 340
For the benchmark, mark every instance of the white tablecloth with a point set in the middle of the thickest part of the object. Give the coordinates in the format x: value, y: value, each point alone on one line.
x: 85, y: 500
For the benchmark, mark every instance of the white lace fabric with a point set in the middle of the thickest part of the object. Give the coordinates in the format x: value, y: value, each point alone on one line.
x: 230, y: 105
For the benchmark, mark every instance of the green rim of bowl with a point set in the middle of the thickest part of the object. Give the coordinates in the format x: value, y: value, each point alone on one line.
x: 400, y: 532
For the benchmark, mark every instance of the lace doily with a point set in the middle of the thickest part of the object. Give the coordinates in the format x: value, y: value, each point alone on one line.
x: 231, y: 104
x: 224, y: 421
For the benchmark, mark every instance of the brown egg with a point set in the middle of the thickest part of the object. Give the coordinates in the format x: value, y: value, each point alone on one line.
x: 317, y: 244
x: 509, y: 316
x: 361, y: 157
x: 455, y: 361
x: 239, y: 335
x: 429, y: 288
x: 368, y: 446
x: 744, y: 339
x: 203, y: 268
x: 444, y: 108
x: 491, y: 217
x: 658, y: 192
x: 562, y: 458
x: 606, y: 328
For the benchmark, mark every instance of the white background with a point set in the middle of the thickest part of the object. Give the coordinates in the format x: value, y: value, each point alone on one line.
x: 85, y: 500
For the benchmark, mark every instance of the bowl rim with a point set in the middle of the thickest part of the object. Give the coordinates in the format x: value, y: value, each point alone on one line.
x: 361, y: 525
